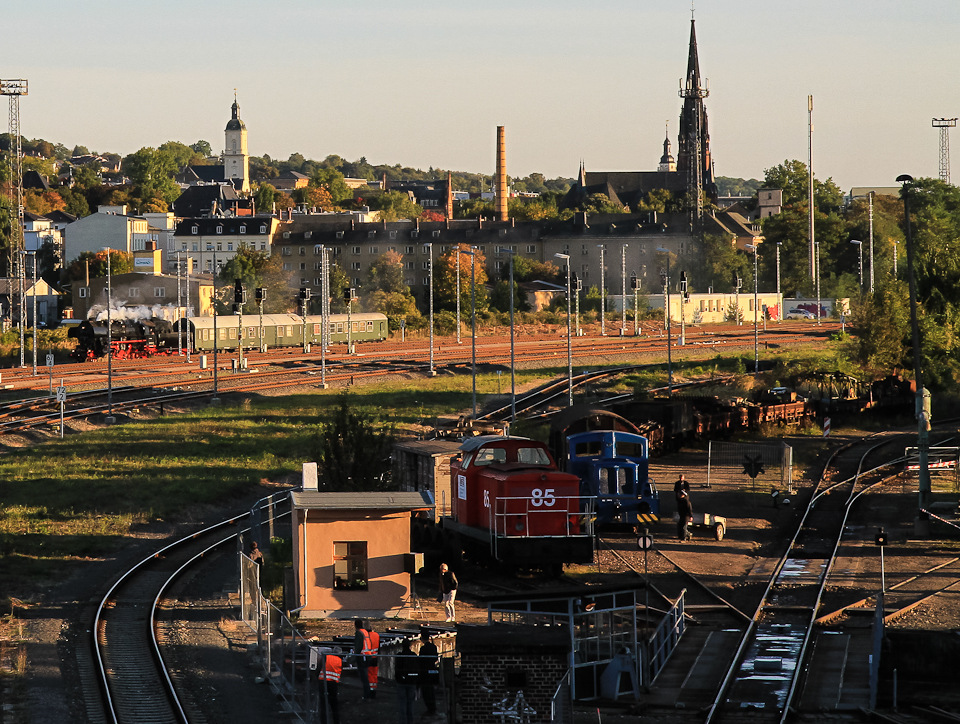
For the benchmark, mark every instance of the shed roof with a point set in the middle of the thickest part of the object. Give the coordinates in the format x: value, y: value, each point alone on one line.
x: 429, y: 447
x: 391, y: 500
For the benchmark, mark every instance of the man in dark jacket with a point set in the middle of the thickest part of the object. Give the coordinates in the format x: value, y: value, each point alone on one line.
x: 448, y: 591
x: 684, y: 516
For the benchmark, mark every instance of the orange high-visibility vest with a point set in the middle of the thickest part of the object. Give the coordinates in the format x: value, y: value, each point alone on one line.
x: 371, y: 642
x: 332, y: 667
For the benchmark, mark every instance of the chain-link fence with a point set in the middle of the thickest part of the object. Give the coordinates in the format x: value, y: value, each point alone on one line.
x: 750, y: 466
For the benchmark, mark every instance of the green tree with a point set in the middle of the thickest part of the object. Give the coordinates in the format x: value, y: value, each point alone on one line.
x: 339, y: 282
x: 352, y: 450
x: 882, y: 325
x: 394, y: 206
x: 332, y: 180
x: 258, y: 269
x: 385, y: 274
x: 152, y: 172
x: 265, y: 197
x: 202, y: 148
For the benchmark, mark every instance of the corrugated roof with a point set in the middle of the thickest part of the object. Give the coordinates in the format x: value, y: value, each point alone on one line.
x: 391, y: 500
x: 429, y: 447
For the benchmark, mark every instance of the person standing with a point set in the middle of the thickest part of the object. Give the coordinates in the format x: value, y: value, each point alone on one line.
x: 429, y: 671
x: 407, y: 675
x: 256, y: 555
x: 366, y: 643
x: 329, y: 669
x: 448, y: 591
x: 684, y: 516
x: 681, y: 486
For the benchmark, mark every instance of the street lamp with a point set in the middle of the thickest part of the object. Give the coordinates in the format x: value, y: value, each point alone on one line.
x: 623, y: 289
x: 513, y: 377
x: 665, y: 279
x: 756, y: 309
x: 430, y: 249
x: 923, y: 400
x: 110, y: 418
x: 34, y: 295
x: 458, y: 294
x: 603, y: 292
x: 566, y: 257
x: 860, y: 254
x: 473, y: 322
x: 779, y: 297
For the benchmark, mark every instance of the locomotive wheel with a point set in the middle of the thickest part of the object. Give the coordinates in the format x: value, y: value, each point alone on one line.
x: 718, y: 530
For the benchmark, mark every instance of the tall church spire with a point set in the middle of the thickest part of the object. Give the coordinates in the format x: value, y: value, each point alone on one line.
x: 693, y: 148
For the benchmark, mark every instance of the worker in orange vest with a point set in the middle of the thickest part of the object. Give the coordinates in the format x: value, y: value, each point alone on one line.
x: 329, y: 668
x: 366, y: 644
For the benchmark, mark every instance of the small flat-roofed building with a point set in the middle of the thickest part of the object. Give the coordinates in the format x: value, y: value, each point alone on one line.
x: 424, y: 466
x: 351, y: 552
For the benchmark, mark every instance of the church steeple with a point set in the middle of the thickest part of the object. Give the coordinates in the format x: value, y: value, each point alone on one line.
x: 693, y: 148
x: 236, y: 160
x: 667, y: 162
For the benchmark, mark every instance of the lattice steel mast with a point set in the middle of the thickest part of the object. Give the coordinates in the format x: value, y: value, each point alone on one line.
x: 15, y: 266
x: 944, y: 124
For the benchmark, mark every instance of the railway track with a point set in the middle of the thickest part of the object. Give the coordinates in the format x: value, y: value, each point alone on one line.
x: 134, y: 684
x: 763, y: 679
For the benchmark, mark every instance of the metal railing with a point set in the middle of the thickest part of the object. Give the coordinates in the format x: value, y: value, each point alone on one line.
x: 664, y: 640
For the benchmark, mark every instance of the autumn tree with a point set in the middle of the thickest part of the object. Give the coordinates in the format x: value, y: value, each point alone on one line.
x: 445, y: 279
x: 96, y: 261
x: 258, y: 269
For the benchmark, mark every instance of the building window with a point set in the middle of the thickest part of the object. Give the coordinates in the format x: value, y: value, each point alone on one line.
x: 219, y: 229
x: 318, y: 249
x: 263, y: 246
x: 229, y: 246
x: 426, y: 265
x: 374, y: 250
x: 317, y: 265
x: 243, y: 229
x: 194, y: 229
x: 318, y: 282
x: 356, y: 250
x: 159, y: 292
x: 303, y: 251
x: 531, y: 248
x: 84, y: 292
x: 133, y: 292
x: 286, y: 251
x: 303, y: 266
x: 287, y: 266
x: 355, y: 266
x: 393, y: 234
x: 371, y: 234
x: 408, y: 250
x: 263, y: 228
x: 219, y: 246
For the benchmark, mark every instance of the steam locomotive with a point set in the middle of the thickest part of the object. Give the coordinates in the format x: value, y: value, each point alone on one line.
x: 134, y: 338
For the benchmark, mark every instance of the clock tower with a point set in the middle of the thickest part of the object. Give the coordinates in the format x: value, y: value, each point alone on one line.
x: 236, y: 160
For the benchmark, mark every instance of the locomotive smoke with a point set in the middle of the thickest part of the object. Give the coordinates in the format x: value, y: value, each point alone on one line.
x: 168, y: 312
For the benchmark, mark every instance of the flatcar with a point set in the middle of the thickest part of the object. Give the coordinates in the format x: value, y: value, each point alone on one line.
x: 612, y: 467
x: 511, y: 504
x: 279, y: 330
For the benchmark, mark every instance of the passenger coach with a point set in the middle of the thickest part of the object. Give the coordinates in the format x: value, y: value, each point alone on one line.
x: 279, y: 330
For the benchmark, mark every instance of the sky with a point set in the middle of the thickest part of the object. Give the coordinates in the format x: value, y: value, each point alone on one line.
x: 425, y: 83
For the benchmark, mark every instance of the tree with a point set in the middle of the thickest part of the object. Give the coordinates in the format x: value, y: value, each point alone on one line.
x: 152, y: 172
x: 385, y: 274
x: 202, y: 148
x: 394, y: 206
x: 264, y: 198
x: 257, y: 269
x: 332, y: 180
x: 120, y: 263
x: 352, y: 450
x: 339, y: 281
x: 445, y: 279
x: 882, y: 325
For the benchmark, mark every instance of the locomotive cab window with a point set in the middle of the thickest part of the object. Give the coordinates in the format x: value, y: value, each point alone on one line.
x: 350, y: 565
x: 532, y: 456
x: 591, y: 448
x: 490, y: 455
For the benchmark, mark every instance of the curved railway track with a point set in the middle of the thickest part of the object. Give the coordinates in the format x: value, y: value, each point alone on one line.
x: 134, y: 682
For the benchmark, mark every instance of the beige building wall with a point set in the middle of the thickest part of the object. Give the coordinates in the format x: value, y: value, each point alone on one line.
x: 388, y: 540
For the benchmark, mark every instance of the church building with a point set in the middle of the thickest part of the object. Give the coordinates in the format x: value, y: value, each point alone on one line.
x: 690, y: 176
x: 235, y: 170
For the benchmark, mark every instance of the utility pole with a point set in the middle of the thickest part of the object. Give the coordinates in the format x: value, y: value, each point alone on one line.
x: 811, y: 251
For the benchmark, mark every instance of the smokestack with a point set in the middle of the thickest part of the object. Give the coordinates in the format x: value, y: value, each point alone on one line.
x: 502, y: 213
x: 449, y: 195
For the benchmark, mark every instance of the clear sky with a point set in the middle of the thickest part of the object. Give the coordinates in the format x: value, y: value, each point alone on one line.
x: 425, y: 82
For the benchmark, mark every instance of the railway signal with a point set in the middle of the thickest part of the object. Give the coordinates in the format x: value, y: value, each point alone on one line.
x: 881, y: 541
x: 239, y: 293
x: 753, y: 466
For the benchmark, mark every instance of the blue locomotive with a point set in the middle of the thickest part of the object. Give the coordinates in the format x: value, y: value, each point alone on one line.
x: 613, y: 470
